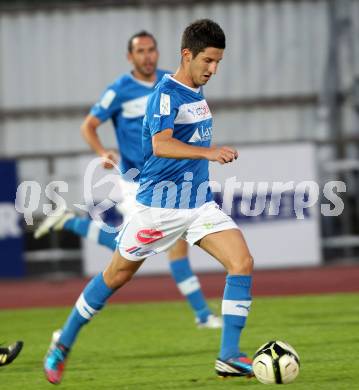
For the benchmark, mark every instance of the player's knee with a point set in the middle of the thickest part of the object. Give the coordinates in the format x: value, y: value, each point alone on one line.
x: 118, y: 273
x: 248, y: 264
x: 242, y: 265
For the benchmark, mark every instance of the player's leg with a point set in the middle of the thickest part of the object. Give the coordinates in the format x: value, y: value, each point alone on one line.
x: 10, y: 353
x: 189, y: 285
x: 138, y: 239
x: 81, y: 226
x: 90, y: 302
x: 218, y: 235
x: 87, y: 228
x: 230, y: 249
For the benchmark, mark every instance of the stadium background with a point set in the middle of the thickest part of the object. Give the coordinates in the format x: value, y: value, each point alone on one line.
x: 289, y: 79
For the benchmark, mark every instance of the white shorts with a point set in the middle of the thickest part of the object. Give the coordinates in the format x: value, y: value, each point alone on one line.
x: 127, y: 205
x: 151, y: 230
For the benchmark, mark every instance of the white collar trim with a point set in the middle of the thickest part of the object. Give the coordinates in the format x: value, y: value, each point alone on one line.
x: 184, y: 85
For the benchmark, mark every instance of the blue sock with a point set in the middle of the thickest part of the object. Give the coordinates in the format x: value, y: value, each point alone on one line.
x: 87, y: 228
x: 189, y: 286
x: 92, y: 299
x: 236, y: 303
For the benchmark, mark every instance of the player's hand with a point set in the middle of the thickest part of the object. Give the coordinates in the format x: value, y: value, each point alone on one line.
x: 222, y: 154
x: 109, y: 158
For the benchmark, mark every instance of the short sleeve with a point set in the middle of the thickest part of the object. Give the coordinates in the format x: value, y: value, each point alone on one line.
x: 108, y: 105
x: 161, y: 112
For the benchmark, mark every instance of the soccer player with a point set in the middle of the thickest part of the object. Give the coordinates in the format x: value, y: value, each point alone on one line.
x: 10, y: 353
x: 124, y: 102
x: 175, y: 201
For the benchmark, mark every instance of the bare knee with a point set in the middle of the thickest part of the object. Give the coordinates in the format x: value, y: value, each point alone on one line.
x: 241, y: 265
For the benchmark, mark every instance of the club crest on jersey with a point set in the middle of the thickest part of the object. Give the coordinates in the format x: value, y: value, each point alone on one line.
x: 147, y: 236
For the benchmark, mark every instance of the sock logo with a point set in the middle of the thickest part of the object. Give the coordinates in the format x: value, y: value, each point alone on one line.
x: 243, y: 309
x: 242, y: 306
x: 235, y: 308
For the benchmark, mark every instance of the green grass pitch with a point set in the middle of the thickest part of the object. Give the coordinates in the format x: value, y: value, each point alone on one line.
x: 157, y: 346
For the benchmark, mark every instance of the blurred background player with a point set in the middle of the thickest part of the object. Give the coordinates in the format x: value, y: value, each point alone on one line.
x: 124, y: 102
x: 177, y: 136
x: 10, y: 353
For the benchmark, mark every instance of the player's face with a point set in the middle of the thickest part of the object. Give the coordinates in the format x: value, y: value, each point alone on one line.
x: 144, y: 55
x: 204, y: 65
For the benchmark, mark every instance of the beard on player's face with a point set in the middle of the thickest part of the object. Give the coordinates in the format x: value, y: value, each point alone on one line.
x: 146, y: 68
x: 144, y: 56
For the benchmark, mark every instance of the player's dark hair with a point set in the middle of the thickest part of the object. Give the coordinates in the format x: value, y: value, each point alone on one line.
x: 140, y: 34
x: 201, y: 34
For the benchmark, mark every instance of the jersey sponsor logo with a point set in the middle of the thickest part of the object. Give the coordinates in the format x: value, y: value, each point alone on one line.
x: 193, y: 112
x: 147, y: 236
x: 107, y: 99
x: 135, y: 108
x: 165, y: 104
x: 201, y: 134
x: 195, y: 137
x: 201, y: 109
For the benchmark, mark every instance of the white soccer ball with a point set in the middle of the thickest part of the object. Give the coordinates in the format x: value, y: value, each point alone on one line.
x: 276, y: 362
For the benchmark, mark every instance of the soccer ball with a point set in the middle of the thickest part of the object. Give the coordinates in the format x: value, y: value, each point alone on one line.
x: 276, y: 362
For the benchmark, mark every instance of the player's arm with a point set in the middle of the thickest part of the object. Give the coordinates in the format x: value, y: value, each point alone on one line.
x: 164, y: 145
x: 89, y: 133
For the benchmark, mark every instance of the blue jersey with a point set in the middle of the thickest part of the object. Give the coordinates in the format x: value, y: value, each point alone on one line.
x: 125, y: 102
x: 172, y: 183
